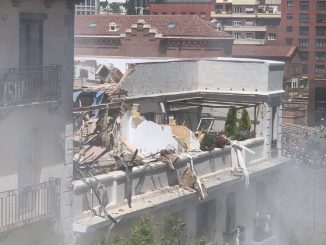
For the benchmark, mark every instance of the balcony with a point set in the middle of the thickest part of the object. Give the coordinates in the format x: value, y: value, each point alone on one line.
x: 29, y: 205
x: 267, y: 15
x: 30, y: 85
x: 250, y: 41
x: 245, y: 28
x: 235, y: 237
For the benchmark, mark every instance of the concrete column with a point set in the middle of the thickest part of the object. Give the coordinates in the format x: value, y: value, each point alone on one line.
x: 268, y: 131
x: 67, y: 189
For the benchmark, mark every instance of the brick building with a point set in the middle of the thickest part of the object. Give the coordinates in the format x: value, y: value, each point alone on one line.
x: 249, y: 21
x: 202, y: 9
x: 303, y: 25
x: 149, y: 36
x: 295, y: 102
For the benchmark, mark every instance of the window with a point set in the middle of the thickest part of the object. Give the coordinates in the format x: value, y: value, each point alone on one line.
x: 320, y: 56
x: 304, y: 68
x: 237, y: 35
x: 320, y: 43
x: 304, y: 31
x: 237, y: 23
x: 320, y: 5
x: 321, y: 18
x: 289, y: 16
x: 304, y: 18
x: 249, y: 36
x: 303, y: 43
x: 320, y: 69
x: 321, y: 31
x: 289, y: 29
x: 249, y: 10
x: 304, y: 55
x: 289, y: 41
x: 289, y: 3
x: 249, y: 23
x: 237, y: 10
x: 271, y: 36
x: 304, y: 5
x: 113, y: 26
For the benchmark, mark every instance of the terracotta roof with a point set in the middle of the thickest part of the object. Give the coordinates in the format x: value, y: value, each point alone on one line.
x: 167, y: 25
x: 255, y: 51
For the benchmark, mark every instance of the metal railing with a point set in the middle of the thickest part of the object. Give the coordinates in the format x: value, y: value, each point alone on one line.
x: 235, y: 237
x: 29, y: 85
x: 29, y: 205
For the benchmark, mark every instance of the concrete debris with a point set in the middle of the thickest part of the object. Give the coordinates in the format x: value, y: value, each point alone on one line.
x: 169, y: 157
x: 189, y: 181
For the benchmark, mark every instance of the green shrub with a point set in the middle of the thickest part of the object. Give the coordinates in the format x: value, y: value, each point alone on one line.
x: 244, y: 126
x: 231, y: 123
x: 208, y: 142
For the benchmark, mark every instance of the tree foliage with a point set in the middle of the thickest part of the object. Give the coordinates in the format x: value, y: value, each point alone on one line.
x: 244, y: 125
x: 130, y: 7
x: 231, y: 123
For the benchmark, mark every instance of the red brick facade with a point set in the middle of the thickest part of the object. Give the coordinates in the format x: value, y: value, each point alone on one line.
x: 140, y: 38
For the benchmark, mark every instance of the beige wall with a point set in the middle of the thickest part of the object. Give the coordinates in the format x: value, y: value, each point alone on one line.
x: 18, y: 123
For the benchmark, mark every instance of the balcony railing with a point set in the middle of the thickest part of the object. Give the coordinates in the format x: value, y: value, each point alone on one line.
x: 29, y: 205
x: 30, y: 85
x: 235, y: 237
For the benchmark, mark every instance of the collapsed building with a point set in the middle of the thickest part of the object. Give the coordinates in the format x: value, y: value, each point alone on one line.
x: 138, y: 149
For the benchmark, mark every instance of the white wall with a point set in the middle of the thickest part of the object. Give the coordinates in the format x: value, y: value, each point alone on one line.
x: 223, y: 74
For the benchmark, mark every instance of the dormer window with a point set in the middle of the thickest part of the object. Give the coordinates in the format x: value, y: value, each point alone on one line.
x: 113, y: 26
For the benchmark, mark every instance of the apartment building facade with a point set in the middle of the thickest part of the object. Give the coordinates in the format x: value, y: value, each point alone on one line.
x: 87, y: 7
x: 36, y: 77
x: 249, y: 21
x: 201, y: 8
x: 303, y: 25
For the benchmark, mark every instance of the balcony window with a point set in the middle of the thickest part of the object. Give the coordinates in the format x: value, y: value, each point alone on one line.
x: 321, y: 5
x: 249, y: 23
x: 320, y: 56
x: 320, y: 43
x: 237, y: 10
x: 29, y: 205
x: 304, y: 5
x: 237, y: 35
x: 249, y: 10
x: 29, y: 85
x: 304, y: 55
x: 249, y: 36
x: 303, y: 43
x: 321, y: 18
x: 271, y: 36
x: 320, y: 99
x: 289, y: 16
x: 236, y: 23
x: 320, y: 69
x: 304, y: 31
x: 304, y: 18
x: 320, y: 31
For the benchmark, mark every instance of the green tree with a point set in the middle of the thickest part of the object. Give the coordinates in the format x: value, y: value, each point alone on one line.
x: 231, y: 123
x: 130, y: 7
x: 115, y: 7
x: 244, y: 125
x: 143, y: 232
